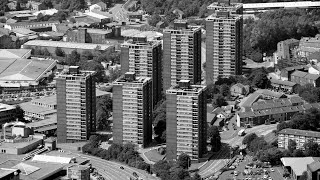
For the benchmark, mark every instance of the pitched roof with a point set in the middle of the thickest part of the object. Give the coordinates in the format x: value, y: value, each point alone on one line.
x: 101, y: 4
x: 299, y: 132
x: 280, y: 82
x: 271, y: 93
x: 299, y: 73
x: 312, y: 76
x: 314, y: 166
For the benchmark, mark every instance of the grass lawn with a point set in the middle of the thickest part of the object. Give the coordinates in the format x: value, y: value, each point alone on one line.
x: 154, y: 156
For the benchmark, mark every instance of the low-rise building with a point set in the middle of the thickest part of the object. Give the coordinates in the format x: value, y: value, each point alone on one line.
x: 134, y: 15
x: 308, y: 45
x: 36, y: 6
x: 271, y: 115
x: 96, y: 36
x: 25, y: 33
x: 299, y: 136
x: 35, y: 26
x: 239, y: 89
x: 7, y: 113
x: 298, y: 165
x: 313, y: 170
x: 286, y: 72
x: 78, y: 172
x: 284, y: 86
x: 100, y: 6
x: 67, y: 47
x: 304, y: 78
x: 101, y: 17
x: 285, y: 48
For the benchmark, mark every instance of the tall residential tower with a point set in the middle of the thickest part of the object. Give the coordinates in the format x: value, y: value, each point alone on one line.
x: 132, y: 110
x: 186, y: 112
x: 144, y: 59
x: 181, y: 54
x: 76, y: 105
x: 224, y: 41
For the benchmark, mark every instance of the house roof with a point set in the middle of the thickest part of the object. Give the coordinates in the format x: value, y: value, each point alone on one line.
x: 312, y: 76
x: 299, y: 132
x: 23, y: 31
x: 281, y: 82
x: 217, y: 110
x: 314, y: 166
x: 299, y: 73
x: 271, y: 93
x: 101, y: 4
x: 159, y: 23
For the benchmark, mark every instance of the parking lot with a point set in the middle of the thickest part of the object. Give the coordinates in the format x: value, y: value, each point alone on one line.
x: 244, y: 172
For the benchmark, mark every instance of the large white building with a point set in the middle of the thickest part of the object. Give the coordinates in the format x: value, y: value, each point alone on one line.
x: 132, y: 110
x: 186, y: 113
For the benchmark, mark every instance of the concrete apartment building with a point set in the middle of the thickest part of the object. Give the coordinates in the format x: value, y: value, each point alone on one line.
x: 224, y: 42
x: 144, y: 59
x: 299, y: 136
x: 186, y: 113
x: 76, y: 105
x: 132, y: 110
x: 181, y: 54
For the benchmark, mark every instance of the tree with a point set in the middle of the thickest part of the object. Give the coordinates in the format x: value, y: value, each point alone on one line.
x: 178, y: 173
x: 261, y: 80
x: 292, y: 145
x: 219, y: 101
x: 45, y: 52
x: 161, y: 168
x: 94, y: 140
x: 298, y: 153
x: 184, y: 161
x: 18, y: 7
x: 73, y: 58
x: 196, y: 176
x: 104, y: 109
x: 154, y: 19
x: 304, y: 176
x: 214, y: 137
x: 87, y: 55
x: 48, y: 4
x: 19, y: 113
x: 59, y: 52
x: 311, y: 149
x: 248, y: 138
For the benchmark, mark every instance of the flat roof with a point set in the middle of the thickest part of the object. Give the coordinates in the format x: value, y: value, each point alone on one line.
x: 101, y: 93
x: 298, y: 164
x: 13, y: 53
x: 29, y: 107
x: 281, y: 82
x: 23, y: 69
x: 41, y: 123
x: 98, y: 31
x: 50, y: 100
x: 6, y: 107
x: 299, y: 73
x: 41, y: 23
x: 281, y: 4
x: 150, y: 35
x: 139, y: 79
x: 71, y: 45
x: 20, y: 144
x: 299, y: 132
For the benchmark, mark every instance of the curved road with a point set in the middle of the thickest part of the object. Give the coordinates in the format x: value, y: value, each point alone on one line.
x: 111, y: 170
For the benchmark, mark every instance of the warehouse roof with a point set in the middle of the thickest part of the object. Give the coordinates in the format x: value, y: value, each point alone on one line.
x: 71, y: 45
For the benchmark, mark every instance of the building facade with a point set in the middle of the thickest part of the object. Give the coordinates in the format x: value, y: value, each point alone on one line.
x: 304, y: 78
x: 132, y: 110
x: 299, y: 136
x: 181, y: 54
x: 223, y: 45
x: 144, y: 59
x: 186, y: 120
x: 285, y: 49
x: 76, y: 105
x: 7, y: 113
x: 96, y: 36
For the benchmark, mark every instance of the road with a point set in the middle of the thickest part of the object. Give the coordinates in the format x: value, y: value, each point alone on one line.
x: 119, y: 13
x: 223, y: 156
x: 111, y: 170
